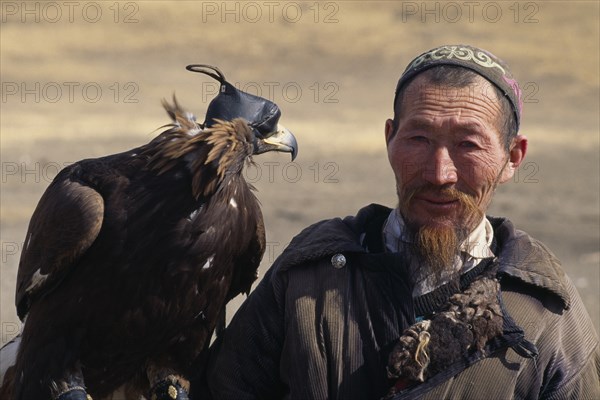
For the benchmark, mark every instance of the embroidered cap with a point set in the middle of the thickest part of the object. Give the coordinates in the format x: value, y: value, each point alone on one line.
x: 478, y: 60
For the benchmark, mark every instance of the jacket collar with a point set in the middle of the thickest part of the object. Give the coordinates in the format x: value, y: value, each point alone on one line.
x: 529, y: 260
x: 324, y: 239
x: 519, y: 255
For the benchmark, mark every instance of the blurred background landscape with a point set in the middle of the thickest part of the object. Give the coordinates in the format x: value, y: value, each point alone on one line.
x: 84, y: 79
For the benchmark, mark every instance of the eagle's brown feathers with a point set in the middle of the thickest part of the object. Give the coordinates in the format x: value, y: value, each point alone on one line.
x: 228, y: 144
x: 130, y: 258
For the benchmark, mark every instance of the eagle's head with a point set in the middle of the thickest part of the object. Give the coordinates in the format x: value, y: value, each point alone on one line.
x: 238, y: 125
x: 262, y: 115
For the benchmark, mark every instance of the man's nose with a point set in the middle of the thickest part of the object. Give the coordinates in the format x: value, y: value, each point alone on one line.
x: 441, y: 169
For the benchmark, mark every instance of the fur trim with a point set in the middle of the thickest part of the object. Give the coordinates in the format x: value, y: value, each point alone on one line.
x: 465, y: 324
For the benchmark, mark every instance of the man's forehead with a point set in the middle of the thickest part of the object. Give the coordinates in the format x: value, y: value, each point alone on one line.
x: 468, y: 110
x: 447, y: 91
x: 481, y: 95
x: 463, y: 125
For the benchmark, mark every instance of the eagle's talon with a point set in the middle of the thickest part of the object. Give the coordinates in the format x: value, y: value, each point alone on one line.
x: 169, y: 389
x: 74, y: 393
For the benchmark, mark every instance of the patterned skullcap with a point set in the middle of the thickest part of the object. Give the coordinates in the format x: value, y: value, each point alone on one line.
x: 478, y: 60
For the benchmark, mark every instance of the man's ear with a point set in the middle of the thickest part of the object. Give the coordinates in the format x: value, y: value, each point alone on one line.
x: 390, y: 130
x: 517, y: 152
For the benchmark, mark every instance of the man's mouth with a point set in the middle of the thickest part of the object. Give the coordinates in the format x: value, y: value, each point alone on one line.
x: 438, y: 203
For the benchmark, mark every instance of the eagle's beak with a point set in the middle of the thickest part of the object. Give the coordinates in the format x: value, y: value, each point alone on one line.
x: 282, y: 140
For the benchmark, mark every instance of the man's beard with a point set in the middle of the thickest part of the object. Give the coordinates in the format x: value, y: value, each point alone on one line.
x: 437, y: 244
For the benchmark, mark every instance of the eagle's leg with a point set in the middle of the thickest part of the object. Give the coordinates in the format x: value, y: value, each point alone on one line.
x: 70, y: 387
x: 37, y: 383
x: 170, y: 388
x: 166, y: 384
x: 74, y: 393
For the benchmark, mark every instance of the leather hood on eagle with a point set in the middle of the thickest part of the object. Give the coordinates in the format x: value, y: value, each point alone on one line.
x: 262, y: 114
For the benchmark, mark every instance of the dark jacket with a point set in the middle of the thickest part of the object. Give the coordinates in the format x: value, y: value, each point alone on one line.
x: 314, y: 331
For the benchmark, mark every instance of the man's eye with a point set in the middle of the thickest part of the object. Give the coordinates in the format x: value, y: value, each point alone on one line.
x: 468, y: 144
x: 420, y: 139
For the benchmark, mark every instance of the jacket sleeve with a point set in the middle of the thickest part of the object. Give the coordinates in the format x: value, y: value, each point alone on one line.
x: 584, y: 385
x: 573, y: 370
x: 245, y: 364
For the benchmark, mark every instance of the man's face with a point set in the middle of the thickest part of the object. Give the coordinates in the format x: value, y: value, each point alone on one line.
x: 447, y: 154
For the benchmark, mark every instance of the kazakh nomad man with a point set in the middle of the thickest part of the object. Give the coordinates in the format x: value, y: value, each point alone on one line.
x: 432, y: 299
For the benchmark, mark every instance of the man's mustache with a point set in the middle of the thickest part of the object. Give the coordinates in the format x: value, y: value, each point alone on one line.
x: 448, y: 193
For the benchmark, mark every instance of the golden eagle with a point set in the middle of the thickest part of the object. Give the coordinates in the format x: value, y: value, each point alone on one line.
x: 129, y: 259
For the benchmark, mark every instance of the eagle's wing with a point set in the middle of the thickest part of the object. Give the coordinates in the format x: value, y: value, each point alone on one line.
x: 64, y: 225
